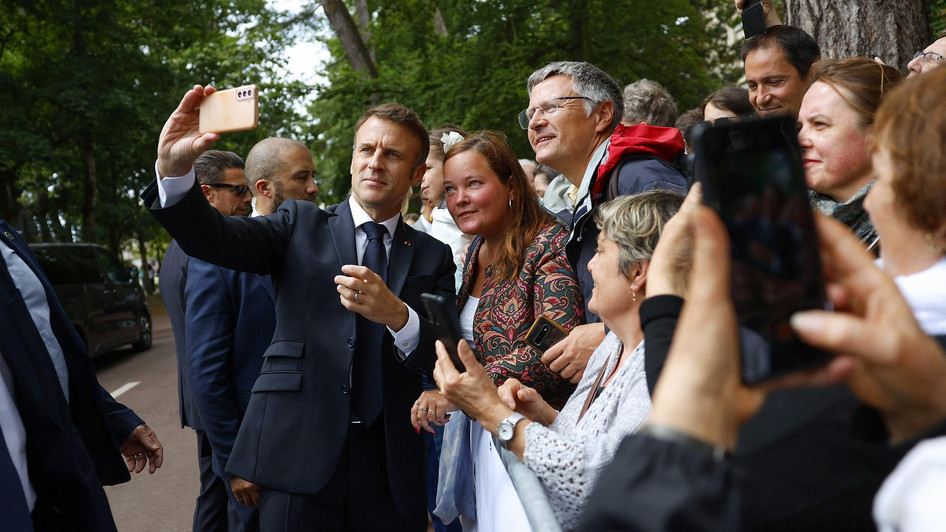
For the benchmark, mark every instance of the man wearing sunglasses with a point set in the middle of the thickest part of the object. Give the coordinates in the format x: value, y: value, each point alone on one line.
x: 224, y: 184
x: 222, y: 322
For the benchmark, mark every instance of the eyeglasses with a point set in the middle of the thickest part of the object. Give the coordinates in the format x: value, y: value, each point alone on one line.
x: 929, y: 56
x: 545, y: 109
x: 241, y: 190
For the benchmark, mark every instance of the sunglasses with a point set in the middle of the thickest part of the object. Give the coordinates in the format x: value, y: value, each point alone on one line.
x: 240, y: 189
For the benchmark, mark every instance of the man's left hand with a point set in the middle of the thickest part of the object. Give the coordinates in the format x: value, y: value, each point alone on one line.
x: 363, y: 291
x: 143, y: 448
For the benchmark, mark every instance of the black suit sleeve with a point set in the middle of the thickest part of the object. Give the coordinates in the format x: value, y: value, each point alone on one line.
x: 656, y: 485
x: 659, y: 316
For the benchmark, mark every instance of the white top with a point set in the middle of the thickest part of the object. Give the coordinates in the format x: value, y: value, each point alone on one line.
x: 467, y: 313
x: 445, y: 229
x: 569, y: 454
x: 911, y: 499
x: 925, y: 292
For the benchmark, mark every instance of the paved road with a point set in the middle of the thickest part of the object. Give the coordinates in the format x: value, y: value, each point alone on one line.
x: 163, y: 502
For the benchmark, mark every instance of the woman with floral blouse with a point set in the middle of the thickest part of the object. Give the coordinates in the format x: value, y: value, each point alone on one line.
x: 515, y: 271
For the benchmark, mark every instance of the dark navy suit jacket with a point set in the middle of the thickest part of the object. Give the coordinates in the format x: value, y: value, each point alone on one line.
x: 72, y: 448
x: 173, y: 281
x: 297, y: 421
x: 230, y: 322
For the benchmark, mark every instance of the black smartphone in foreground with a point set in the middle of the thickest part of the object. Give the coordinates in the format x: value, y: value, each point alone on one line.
x: 545, y: 333
x: 753, y: 177
x: 753, y: 18
x: 445, y: 321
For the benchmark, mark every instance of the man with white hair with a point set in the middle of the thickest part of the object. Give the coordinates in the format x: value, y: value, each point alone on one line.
x: 574, y: 108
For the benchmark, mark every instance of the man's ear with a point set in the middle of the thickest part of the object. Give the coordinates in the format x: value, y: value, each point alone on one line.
x: 264, y: 188
x: 604, y: 114
x: 208, y: 192
x: 418, y: 175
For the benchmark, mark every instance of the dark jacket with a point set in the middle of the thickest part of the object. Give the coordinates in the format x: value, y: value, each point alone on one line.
x: 72, y: 448
x: 297, y: 420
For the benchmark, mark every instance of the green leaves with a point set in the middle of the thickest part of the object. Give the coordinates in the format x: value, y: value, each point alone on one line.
x: 86, y: 86
x: 475, y: 75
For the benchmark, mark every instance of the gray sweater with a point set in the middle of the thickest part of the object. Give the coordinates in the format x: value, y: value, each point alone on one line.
x: 568, y: 455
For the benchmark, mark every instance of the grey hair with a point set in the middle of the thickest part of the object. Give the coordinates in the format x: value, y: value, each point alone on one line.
x: 588, y: 81
x: 266, y: 160
x: 635, y: 222
x: 648, y: 101
x: 211, y: 166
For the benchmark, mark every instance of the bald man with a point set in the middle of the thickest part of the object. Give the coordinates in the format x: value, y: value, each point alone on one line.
x: 279, y: 169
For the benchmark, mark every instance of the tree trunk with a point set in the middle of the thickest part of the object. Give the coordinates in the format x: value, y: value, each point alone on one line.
x: 347, y: 32
x: 9, y: 207
x: 892, y: 29
x: 364, y: 20
x: 90, y: 190
x: 148, y: 279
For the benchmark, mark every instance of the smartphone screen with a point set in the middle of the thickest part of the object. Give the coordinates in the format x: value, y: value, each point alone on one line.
x: 439, y: 313
x: 753, y: 176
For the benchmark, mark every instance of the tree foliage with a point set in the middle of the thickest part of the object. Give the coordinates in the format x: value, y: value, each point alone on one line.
x: 86, y: 86
x: 466, y: 63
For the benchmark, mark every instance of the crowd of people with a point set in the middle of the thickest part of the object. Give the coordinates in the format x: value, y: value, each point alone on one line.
x: 322, y: 400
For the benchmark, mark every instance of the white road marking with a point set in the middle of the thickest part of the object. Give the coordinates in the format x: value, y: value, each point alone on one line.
x: 124, y: 388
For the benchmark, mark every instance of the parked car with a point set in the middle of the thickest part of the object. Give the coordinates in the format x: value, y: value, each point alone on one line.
x: 101, y: 296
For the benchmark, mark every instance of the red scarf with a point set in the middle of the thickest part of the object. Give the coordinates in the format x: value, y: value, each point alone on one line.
x: 664, y: 142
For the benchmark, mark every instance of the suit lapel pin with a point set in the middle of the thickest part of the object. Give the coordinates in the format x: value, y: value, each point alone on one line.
x: 407, y: 242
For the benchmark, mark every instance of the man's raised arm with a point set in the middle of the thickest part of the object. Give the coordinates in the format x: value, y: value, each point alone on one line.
x: 181, y: 141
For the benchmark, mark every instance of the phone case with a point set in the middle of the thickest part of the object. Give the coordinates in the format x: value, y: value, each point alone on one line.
x: 230, y: 110
x: 753, y: 177
x: 545, y: 333
x: 445, y: 327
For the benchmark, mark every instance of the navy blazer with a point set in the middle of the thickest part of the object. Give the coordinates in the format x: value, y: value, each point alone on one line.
x: 297, y: 421
x: 73, y: 447
x: 173, y: 280
x: 230, y: 321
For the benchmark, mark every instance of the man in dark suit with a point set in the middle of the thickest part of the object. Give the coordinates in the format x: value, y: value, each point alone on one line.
x: 326, y: 434
x: 59, y: 430
x: 220, y: 175
x: 231, y: 317
x: 230, y: 323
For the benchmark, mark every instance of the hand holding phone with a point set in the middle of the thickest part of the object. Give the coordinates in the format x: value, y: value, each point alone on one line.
x: 752, y: 176
x: 230, y: 110
x: 444, y: 319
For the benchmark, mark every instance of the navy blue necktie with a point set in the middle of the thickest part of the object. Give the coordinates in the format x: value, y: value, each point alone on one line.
x: 366, y: 371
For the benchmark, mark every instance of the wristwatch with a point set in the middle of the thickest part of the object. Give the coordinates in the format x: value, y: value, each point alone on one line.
x: 507, y: 428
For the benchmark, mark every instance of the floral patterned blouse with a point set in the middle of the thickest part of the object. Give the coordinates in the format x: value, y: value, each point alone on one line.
x: 545, y: 285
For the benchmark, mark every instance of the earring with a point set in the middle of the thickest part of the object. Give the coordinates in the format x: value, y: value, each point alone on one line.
x: 932, y: 245
x: 510, y: 203
x: 633, y: 295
